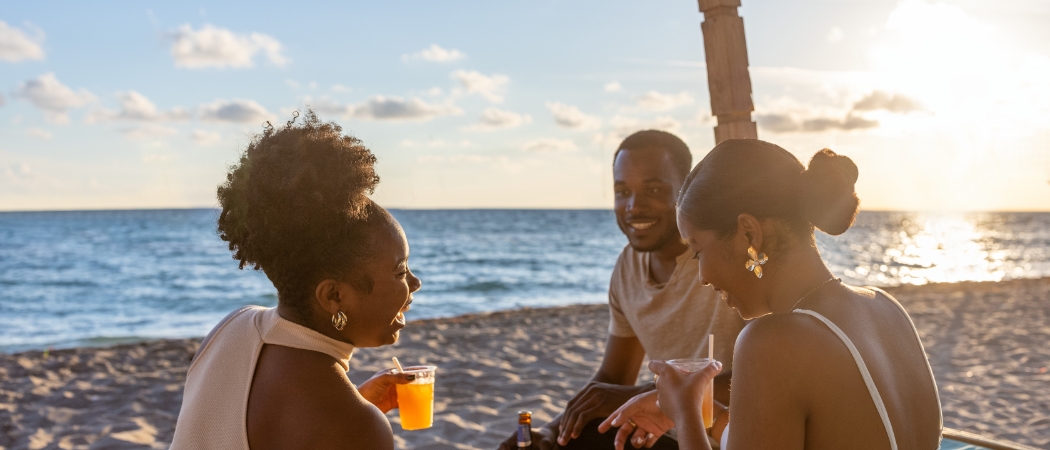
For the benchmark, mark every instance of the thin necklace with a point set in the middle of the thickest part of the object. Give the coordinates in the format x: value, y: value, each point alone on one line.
x: 814, y: 290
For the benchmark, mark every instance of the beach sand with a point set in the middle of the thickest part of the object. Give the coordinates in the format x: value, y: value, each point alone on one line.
x: 988, y: 345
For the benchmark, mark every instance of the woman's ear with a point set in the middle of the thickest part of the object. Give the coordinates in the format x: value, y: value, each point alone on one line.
x: 327, y: 296
x: 750, y: 229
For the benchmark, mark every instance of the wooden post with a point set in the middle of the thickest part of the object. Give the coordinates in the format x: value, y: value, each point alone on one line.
x: 727, y: 75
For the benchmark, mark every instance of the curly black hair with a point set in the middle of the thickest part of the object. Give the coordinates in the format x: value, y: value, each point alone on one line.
x: 296, y: 206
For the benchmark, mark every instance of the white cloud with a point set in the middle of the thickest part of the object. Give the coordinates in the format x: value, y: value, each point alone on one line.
x: 795, y: 122
x: 626, y: 126
x: 491, y: 87
x: 136, y: 107
x: 435, y: 53
x: 205, y: 138
x: 569, y: 116
x: 39, y: 133
x: 239, y: 111
x: 327, y: 106
x: 16, y: 45
x: 655, y: 101
x: 3, y: 100
x: 435, y: 143
x: 340, y: 88
x: 381, y: 107
x: 877, y: 100
x: 53, y: 97
x: 454, y: 159
x: 613, y: 86
x: 549, y: 145
x: 147, y: 131
x: 212, y: 46
x: 493, y: 119
x: 835, y: 35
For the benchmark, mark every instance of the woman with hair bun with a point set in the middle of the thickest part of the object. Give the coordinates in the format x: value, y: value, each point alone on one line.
x: 822, y: 365
x: 296, y: 206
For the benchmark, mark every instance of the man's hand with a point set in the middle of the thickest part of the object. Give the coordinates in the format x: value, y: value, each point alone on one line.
x: 543, y: 438
x: 380, y: 391
x: 596, y: 400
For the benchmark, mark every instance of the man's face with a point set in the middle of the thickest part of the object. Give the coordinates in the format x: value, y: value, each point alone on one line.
x: 646, y: 186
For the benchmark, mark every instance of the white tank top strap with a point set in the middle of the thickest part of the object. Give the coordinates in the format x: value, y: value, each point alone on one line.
x: 872, y: 389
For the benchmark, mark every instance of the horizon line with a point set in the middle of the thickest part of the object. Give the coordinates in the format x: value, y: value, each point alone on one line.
x: 491, y: 208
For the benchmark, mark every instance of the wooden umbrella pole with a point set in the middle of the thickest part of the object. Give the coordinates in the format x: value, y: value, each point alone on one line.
x: 727, y: 75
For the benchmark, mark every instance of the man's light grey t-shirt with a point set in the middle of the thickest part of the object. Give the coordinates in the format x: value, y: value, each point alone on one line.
x: 672, y: 320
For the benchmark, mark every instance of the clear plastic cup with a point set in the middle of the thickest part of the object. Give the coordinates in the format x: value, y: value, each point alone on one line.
x: 690, y: 365
x: 415, y: 400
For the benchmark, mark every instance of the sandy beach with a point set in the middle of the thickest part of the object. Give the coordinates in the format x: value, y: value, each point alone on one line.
x: 988, y: 344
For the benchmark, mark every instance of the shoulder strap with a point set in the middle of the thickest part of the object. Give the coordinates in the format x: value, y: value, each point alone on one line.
x: 872, y: 390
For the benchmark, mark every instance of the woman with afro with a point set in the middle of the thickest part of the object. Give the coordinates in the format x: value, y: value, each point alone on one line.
x: 296, y: 206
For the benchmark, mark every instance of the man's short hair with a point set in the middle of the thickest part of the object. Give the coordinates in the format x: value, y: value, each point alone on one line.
x: 680, y: 156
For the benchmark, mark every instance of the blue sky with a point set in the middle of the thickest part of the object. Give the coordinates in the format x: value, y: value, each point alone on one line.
x: 944, y: 105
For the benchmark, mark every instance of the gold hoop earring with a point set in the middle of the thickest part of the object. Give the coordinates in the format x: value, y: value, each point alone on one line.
x: 756, y: 262
x: 339, y: 320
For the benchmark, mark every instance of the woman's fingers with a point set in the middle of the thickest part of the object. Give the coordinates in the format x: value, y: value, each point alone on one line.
x: 659, y: 367
x: 650, y: 440
x: 639, y: 437
x: 607, y: 424
x: 622, y: 435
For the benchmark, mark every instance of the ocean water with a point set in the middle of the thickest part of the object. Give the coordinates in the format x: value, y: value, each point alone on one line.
x: 102, y: 277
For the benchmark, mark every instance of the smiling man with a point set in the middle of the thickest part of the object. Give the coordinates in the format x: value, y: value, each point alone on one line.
x: 657, y: 305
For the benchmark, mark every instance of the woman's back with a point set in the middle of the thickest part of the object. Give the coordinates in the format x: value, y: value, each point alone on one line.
x: 821, y: 380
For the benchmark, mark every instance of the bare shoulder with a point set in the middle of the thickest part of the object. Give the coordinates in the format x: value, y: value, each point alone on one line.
x: 779, y: 335
x: 355, y: 424
x: 302, y: 399
x: 786, y: 346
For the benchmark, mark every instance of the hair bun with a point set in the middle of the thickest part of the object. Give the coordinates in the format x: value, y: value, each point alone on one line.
x: 827, y: 199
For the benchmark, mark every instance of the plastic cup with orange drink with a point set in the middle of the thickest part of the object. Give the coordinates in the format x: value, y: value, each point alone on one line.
x: 690, y: 365
x: 415, y: 400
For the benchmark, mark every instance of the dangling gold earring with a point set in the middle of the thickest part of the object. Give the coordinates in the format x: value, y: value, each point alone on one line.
x: 756, y: 262
x: 339, y: 320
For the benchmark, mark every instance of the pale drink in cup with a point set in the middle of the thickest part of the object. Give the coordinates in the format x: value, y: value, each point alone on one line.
x: 415, y: 400
x: 690, y: 365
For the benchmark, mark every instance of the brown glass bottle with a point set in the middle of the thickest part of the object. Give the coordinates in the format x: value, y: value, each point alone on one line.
x: 525, y: 430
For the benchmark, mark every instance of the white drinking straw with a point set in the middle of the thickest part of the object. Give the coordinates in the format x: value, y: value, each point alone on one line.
x: 399, y: 368
x: 711, y: 346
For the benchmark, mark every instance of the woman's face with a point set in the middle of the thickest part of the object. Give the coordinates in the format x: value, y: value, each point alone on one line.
x: 722, y: 266
x: 376, y: 318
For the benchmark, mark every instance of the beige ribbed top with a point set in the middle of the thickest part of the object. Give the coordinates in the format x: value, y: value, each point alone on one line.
x: 215, y: 404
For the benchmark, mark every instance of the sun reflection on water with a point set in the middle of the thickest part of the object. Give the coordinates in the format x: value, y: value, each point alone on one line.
x: 912, y: 248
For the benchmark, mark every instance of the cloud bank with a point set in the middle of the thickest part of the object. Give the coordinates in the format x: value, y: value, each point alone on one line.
x: 435, y: 53
x: 549, y: 145
x: 52, y: 97
x: 494, y: 119
x: 382, y: 107
x: 880, y: 100
x: 568, y: 116
x: 16, y: 45
x: 136, y: 107
x: 212, y: 46
x: 236, y: 111
x: 492, y: 87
